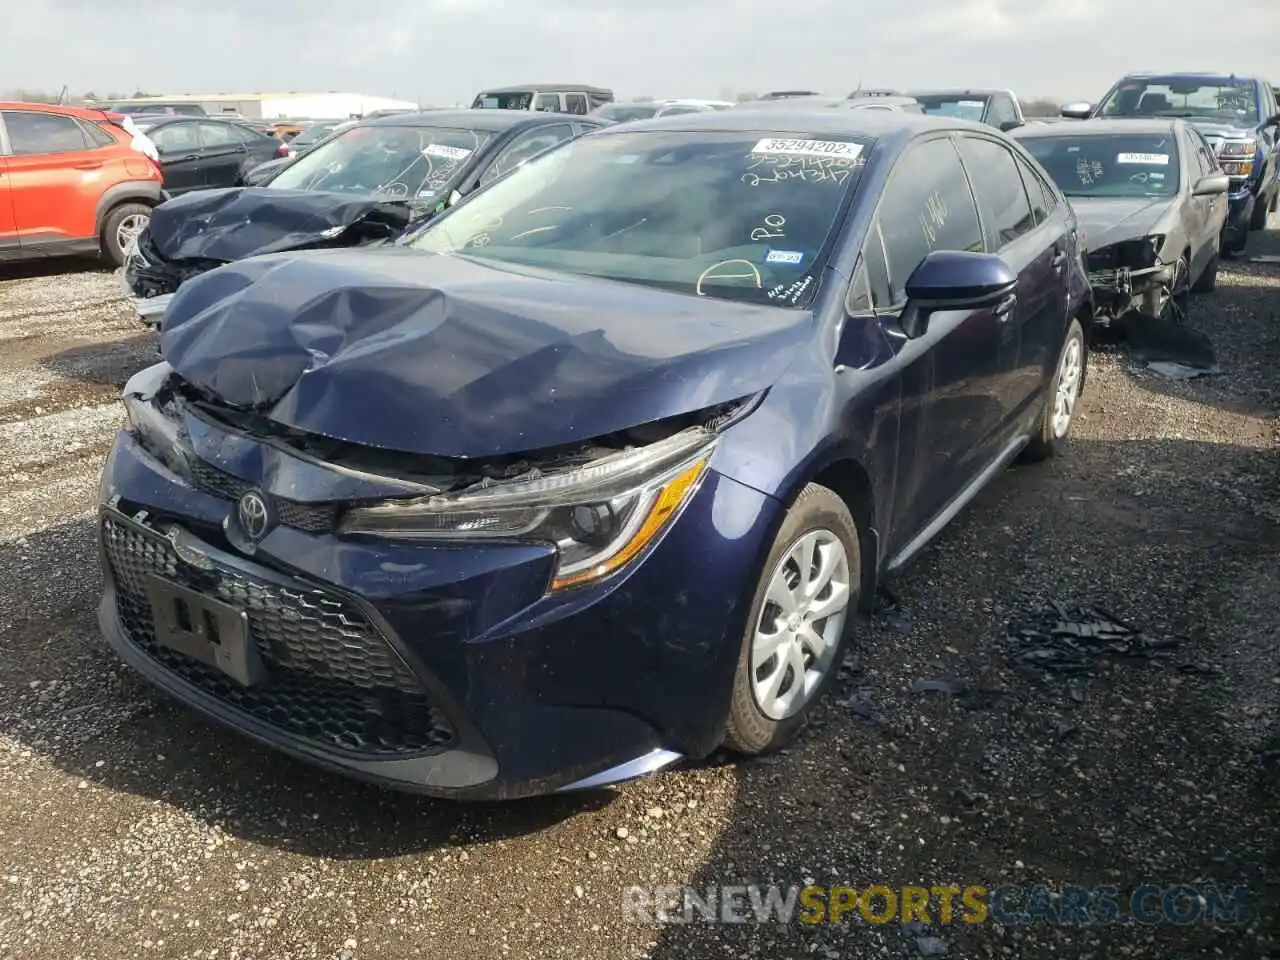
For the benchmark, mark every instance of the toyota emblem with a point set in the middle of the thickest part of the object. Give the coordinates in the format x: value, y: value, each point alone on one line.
x: 252, y: 510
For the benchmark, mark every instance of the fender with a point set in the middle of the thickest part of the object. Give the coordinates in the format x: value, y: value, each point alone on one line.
x: 150, y: 192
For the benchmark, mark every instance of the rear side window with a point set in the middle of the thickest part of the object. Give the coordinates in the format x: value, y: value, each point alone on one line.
x: 997, y: 186
x: 96, y: 136
x: 550, y: 102
x: 31, y: 132
x: 175, y: 137
x: 926, y: 206
x: 217, y: 134
x: 576, y: 103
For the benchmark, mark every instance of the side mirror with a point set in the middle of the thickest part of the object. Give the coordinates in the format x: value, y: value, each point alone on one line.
x: 954, y: 280
x: 1211, y: 185
x: 1270, y: 122
x: 1011, y: 125
x: 1079, y: 110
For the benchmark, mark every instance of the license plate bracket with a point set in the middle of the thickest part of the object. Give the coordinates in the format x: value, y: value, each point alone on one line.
x: 205, y: 629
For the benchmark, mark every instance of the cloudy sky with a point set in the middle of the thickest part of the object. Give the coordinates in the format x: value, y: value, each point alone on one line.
x: 443, y: 51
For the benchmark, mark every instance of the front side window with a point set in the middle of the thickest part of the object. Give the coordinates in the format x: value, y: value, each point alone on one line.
x: 729, y: 215
x: 576, y: 103
x: 506, y: 100
x: 525, y: 146
x: 548, y: 102
x: 396, y: 162
x: 926, y: 206
x: 1210, y: 98
x: 997, y: 186
x: 960, y: 107
x: 31, y: 132
x: 1109, y: 164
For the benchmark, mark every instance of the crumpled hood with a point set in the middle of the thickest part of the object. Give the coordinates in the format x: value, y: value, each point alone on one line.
x: 238, y: 222
x: 444, y: 355
x: 1107, y: 220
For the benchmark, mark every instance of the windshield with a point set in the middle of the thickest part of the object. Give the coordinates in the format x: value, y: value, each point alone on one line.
x: 731, y: 215
x: 1213, y: 98
x: 1109, y: 165
x: 510, y: 100
x: 313, y: 134
x: 397, y: 162
x: 962, y: 108
x: 626, y: 112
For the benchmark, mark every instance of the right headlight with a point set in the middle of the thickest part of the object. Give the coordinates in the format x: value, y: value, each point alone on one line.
x: 599, y: 516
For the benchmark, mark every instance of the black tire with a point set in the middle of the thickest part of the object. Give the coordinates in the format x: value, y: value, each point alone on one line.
x: 1258, y: 218
x: 109, y: 240
x: 1047, y: 442
x: 1208, y: 279
x: 748, y: 729
x: 1275, y: 200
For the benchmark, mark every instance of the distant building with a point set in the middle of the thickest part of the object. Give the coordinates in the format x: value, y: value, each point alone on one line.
x: 270, y: 106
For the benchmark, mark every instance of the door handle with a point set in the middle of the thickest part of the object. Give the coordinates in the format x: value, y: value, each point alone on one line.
x: 1004, y: 309
x: 190, y: 156
x: 89, y: 165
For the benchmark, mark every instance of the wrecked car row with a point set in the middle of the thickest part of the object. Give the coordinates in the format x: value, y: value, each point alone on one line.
x: 592, y: 470
x: 365, y: 183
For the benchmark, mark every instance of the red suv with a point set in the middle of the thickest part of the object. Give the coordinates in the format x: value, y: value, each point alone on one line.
x: 71, y: 182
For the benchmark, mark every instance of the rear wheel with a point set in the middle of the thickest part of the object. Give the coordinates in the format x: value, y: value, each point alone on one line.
x: 795, y: 636
x: 121, y: 229
x: 1063, y: 395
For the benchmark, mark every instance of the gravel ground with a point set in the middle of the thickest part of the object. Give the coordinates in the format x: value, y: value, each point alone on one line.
x: 130, y: 828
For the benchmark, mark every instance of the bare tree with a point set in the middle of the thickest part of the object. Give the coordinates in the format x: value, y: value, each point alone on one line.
x: 747, y: 97
x: 1040, y: 107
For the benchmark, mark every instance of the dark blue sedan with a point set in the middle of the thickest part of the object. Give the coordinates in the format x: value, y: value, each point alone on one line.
x: 596, y: 470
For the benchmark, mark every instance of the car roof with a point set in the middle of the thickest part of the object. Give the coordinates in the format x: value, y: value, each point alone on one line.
x: 1190, y: 74
x: 84, y: 113
x: 547, y: 88
x: 494, y: 121
x: 887, y: 125
x: 959, y: 92
x: 1101, y: 126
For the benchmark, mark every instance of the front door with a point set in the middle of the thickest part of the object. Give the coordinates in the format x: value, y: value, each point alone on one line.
x: 956, y: 374
x: 1028, y: 246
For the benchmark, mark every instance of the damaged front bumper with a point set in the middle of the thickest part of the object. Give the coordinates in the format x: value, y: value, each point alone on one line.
x: 1131, y: 276
x: 444, y: 668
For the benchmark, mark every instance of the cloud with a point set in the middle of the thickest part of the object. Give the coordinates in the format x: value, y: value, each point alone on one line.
x: 443, y: 51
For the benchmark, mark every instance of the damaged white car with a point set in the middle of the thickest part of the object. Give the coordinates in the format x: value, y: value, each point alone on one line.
x: 1152, y: 204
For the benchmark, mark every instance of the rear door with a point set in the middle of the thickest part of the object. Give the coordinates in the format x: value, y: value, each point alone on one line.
x: 1198, y: 212
x: 222, y: 154
x: 9, y: 243
x: 179, y: 146
x: 954, y: 374
x: 1036, y: 252
x: 55, y: 175
x: 576, y: 103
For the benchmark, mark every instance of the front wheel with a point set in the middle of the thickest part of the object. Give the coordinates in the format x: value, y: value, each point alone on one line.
x: 795, y: 635
x: 1063, y: 395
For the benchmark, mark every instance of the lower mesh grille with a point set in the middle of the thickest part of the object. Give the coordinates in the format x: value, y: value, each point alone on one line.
x: 333, y: 680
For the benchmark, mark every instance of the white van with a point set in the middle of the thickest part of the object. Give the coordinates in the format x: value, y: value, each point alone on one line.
x: 550, y: 97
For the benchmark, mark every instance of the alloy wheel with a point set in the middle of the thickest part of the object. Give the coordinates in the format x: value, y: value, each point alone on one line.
x: 800, y: 624
x: 1070, y: 369
x: 128, y: 230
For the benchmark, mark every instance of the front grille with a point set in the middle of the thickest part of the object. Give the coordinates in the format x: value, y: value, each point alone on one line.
x: 308, y: 517
x: 333, y: 679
